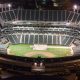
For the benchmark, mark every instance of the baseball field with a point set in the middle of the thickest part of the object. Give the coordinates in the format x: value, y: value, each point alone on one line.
x: 26, y: 50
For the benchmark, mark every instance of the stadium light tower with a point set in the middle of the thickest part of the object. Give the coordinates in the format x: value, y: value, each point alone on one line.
x: 9, y: 6
x: 75, y: 7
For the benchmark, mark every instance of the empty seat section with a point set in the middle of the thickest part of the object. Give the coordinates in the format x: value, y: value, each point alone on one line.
x: 57, y: 39
x: 45, y: 39
x: 16, y: 39
x: 54, y: 39
x: 8, y: 16
x: 10, y: 38
x: 28, y: 15
x: 26, y: 38
x: 3, y: 16
x: 65, y: 39
x: 12, y: 15
x: 22, y: 40
x: 40, y: 39
x: 31, y: 39
x: 69, y: 41
x: 36, y: 39
x: 49, y: 39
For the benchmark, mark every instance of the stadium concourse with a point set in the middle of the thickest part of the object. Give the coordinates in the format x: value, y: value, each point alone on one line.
x: 59, y: 28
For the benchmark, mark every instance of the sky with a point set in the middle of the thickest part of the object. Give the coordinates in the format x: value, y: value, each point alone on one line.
x: 32, y: 2
x: 77, y: 1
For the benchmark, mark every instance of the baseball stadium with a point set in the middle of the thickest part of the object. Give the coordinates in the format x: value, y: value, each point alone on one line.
x: 39, y: 41
x: 35, y: 33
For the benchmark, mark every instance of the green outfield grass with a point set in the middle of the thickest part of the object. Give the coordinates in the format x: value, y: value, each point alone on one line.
x: 24, y: 49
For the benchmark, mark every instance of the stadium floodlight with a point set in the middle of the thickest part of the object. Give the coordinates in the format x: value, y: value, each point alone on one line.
x: 9, y: 6
x: 75, y: 7
x: 41, y: 64
x: 35, y: 64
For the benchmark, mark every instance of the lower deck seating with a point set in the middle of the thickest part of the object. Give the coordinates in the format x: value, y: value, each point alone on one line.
x: 49, y: 39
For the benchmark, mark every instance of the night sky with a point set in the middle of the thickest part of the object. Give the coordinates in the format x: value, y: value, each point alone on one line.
x: 32, y: 3
x: 3, y: 1
x: 77, y: 1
